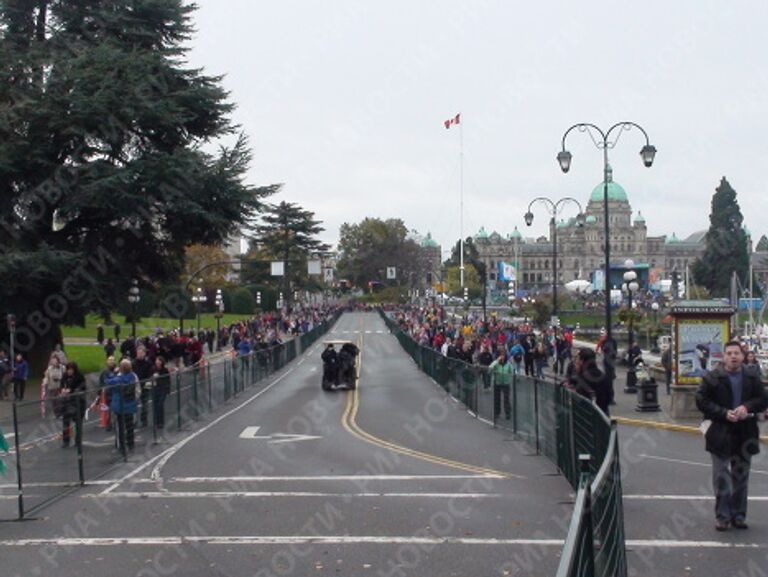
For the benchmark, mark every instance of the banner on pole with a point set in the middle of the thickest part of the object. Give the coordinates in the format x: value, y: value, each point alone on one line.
x: 391, y: 273
x: 506, y: 271
x: 278, y: 268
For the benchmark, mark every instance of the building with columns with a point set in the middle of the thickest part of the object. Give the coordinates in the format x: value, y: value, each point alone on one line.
x: 580, y: 246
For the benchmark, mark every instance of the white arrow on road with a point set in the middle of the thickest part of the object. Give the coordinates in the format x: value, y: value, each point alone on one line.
x: 251, y: 433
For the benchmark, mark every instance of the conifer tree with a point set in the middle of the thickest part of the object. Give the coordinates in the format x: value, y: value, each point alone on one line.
x: 103, y: 172
x: 726, y: 244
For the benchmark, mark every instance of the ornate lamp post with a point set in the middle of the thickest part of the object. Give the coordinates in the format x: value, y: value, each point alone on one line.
x: 199, y: 298
x: 647, y: 153
x: 554, y: 208
x: 630, y: 287
x: 133, y: 298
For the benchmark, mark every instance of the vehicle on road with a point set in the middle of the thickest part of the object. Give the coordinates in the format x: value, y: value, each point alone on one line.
x: 339, y: 366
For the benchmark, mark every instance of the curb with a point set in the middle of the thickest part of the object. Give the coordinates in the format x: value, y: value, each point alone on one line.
x: 666, y: 426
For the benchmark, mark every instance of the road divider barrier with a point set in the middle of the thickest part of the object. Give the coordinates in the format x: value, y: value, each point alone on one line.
x: 561, y: 425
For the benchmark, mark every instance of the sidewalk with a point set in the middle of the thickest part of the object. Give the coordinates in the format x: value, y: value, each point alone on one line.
x: 625, y: 413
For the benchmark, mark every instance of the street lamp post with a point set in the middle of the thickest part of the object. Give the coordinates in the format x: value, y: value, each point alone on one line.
x: 219, y: 314
x: 133, y: 298
x: 199, y: 298
x: 630, y: 287
x: 554, y: 209
x: 647, y: 153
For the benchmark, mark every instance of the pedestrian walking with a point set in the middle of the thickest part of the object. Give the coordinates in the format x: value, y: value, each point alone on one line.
x: 20, y: 376
x: 123, y: 404
x: 501, y: 375
x: 51, y: 384
x: 5, y: 374
x: 666, y: 362
x: 587, y: 380
x: 72, y: 394
x: 730, y: 397
x: 161, y: 388
x: 110, y: 348
x: 100, y: 335
x: 105, y: 392
x: 143, y: 368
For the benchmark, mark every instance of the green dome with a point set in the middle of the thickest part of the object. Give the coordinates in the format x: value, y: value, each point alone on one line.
x: 591, y: 219
x: 562, y: 224
x: 428, y: 241
x: 515, y: 234
x: 481, y: 233
x: 672, y: 239
x: 616, y: 192
x: 639, y: 217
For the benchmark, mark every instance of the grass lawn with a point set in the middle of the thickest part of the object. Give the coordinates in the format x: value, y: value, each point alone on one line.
x: 147, y: 325
x: 89, y: 358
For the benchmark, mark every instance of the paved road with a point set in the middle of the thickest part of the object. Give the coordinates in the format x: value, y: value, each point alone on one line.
x: 668, y: 500
x: 393, y: 479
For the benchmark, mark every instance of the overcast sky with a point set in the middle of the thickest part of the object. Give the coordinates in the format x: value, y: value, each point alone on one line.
x: 344, y: 103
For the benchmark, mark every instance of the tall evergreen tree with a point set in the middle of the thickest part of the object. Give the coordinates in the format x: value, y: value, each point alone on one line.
x: 287, y: 233
x: 726, y: 244
x: 762, y: 244
x: 103, y: 175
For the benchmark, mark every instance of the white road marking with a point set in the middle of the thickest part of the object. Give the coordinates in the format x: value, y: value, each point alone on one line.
x: 290, y: 438
x: 292, y: 494
x: 347, y: 540
x: 58, y: 484
x: 246, y: 479
x: 170, y: 451
x: 756, y: 498
x: 694, y: 463
x: 249, y: 432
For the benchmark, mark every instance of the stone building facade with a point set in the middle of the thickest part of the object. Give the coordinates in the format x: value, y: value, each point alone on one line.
x: 580, y: 246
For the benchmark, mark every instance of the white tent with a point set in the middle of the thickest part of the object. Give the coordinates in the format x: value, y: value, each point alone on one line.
x: 579, y: 286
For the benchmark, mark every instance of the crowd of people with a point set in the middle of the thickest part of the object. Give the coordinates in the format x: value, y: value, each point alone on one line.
x: 141, y: 375
x: 505, y: 348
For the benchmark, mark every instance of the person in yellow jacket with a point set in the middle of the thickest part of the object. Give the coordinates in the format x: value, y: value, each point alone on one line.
x: 501, y: 375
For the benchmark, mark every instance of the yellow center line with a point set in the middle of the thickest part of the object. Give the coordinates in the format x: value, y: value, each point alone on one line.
x: 349, y: 422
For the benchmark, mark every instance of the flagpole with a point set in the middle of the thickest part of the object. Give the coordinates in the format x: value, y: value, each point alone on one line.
x: 461, y: 202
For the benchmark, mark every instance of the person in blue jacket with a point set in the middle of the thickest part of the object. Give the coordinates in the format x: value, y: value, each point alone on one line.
x: 20, y: 376
x: 123, y: 403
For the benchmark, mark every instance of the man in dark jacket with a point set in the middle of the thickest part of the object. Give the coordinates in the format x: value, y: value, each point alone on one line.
x: 731, y: 397
x: 588, y: 380
x: 144, y: 368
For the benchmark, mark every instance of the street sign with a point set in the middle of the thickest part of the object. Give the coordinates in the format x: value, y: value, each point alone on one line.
x: 314, y: 267
x: 277, y: 268
x: 391, y: 273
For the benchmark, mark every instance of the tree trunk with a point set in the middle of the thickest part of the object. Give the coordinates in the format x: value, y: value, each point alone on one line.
x: 38, y: 356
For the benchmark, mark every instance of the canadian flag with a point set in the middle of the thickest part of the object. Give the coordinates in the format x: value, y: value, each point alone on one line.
x: 451, y: 121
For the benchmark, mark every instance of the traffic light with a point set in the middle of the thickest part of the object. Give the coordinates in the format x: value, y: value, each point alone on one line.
x: 3, y: 453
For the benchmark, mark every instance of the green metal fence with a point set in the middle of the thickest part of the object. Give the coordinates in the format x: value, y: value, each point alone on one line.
x: 40, y: 470
x: 561, y: 425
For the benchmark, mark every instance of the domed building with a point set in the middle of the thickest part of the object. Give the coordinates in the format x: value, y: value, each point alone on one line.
x: 580, y: 247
